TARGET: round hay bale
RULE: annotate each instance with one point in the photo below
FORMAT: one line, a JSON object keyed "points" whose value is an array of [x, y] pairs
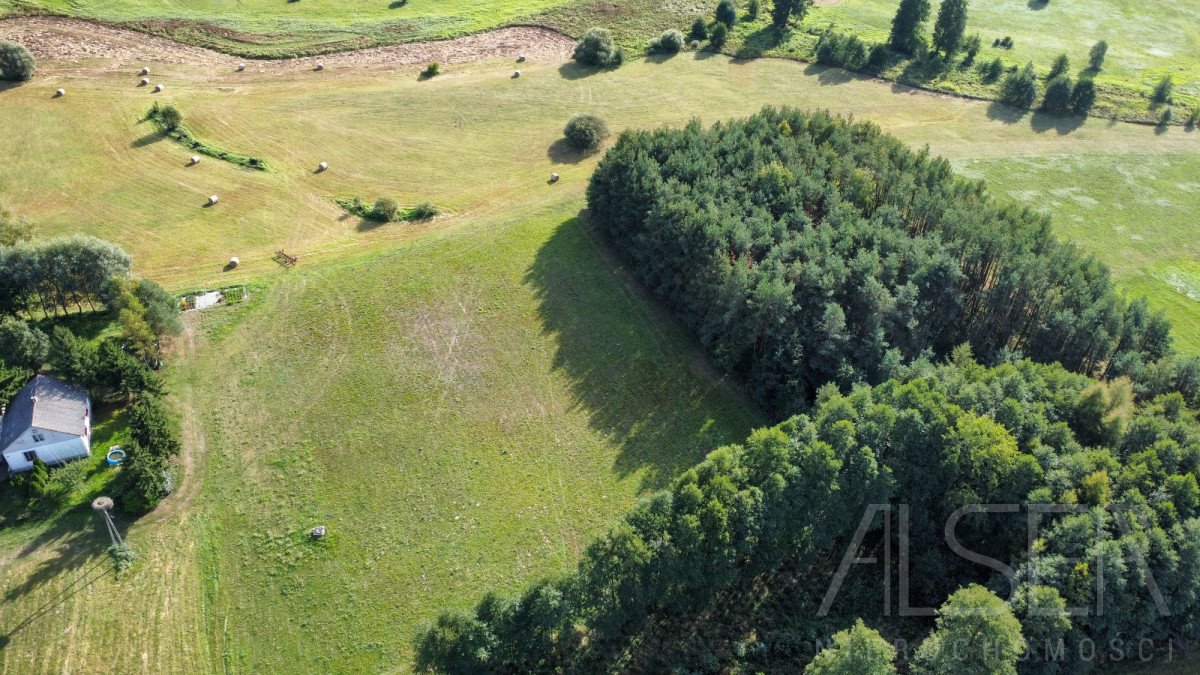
{"points": [[145, 81], [320, 65], [234, 262], [158, 88], [145, 71], [195, 159], [322, 166], [213, 200], [553, 178], [521, 58], [317, 532], [241, 67], [60, 92], [516, 74]]}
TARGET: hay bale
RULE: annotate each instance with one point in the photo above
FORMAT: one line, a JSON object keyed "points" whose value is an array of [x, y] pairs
{"points": [[158, 88], [322, 166], [145, 81], [317, 532], [516, 74], [60, 92], [320, 65], [553, 178], [234, 262], [521, 58], [195, 159], [145, 71], [241, 67], [213, 200]]}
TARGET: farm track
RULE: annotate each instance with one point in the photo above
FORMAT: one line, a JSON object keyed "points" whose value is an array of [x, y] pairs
{"points": [[63, 39]]}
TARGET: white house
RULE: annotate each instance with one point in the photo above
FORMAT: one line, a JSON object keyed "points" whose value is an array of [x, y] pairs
{"points": [[48, 420]]}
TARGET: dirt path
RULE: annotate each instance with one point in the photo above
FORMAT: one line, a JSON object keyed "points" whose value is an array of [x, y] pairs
{"points": [[61, 39], [190, 478]]}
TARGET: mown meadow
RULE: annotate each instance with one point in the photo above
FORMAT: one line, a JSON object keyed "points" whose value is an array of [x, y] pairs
{"points": [[425, 390]]}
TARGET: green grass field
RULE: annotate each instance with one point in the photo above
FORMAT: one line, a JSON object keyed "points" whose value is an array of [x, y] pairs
{"points": [[403, 374]]}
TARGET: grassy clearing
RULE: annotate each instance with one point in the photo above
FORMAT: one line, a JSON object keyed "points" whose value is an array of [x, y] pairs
{"points": [[470, 382], [403, 373]]}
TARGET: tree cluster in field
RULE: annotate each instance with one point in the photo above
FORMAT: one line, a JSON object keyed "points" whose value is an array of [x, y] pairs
{"points": [[16, 63], [937, 438], [805, 249], [598, 50], [169, 121], [386, 209], [62, 277]]}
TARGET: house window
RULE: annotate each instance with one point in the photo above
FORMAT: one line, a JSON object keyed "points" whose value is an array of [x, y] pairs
{"points": [[37, 436], [30, 455]]}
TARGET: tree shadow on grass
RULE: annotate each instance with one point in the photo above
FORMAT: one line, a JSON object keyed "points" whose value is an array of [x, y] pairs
{"points": [[828, 74], [643, 382], [76, 539], [573, 70], [1004, 113], [1042, 122], [148, 139], [562, 152]]}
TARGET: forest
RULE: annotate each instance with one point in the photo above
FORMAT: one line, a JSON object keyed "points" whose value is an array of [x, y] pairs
{"points": [[806, 249]]}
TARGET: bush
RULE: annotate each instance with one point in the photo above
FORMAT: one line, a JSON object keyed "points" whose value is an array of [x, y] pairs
{"points": [[597, 49], [1096, 56], [1168, 116], [670, 42], [1061, 65], [169, 117], [1193, 119], [586, 132], [1163, 90], [1020, 88], [385, 209], [1057, 100], [843, 51], [971, 46], [431, 70], [991, 70], [699, 30], [16, 63], [879, 57], [752, 9], [423, 211], [716, 40], [22, 345], [1083, 97], [727, 13]]}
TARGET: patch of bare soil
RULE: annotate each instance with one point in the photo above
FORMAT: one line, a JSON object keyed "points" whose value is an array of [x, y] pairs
{"points": [[61, 39]]}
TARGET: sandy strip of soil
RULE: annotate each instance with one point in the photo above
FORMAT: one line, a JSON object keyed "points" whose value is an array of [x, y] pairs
{"points": [[61, 39]]}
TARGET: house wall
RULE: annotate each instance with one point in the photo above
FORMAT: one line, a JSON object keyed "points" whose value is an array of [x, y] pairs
{"points": [[55, 449]]}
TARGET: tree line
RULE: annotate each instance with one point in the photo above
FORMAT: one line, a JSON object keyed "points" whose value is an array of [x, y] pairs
{"points": [[58, 276], [804, 248], [787, 501]]}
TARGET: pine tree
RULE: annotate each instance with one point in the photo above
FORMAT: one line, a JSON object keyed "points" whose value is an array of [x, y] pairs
{"points": [[908, 24], [950, 26]]}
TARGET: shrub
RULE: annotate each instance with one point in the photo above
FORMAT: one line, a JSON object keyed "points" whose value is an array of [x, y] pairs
{"points": [[1083, 97], [423, 211], [752, 9], [1163, 90], [699, 30], [168, 116], [431, 70], [22, 345], [1168, 116], [845, 51], [879, 56], [16, 63], [385, 209], [1193, 119], [1096, 56], [718, 37], [586, 132], [670, 42], [991, 70], [1020, 88], [971, 45], [1060, 66], [1057, 100], [597, 49], [727, 12]]}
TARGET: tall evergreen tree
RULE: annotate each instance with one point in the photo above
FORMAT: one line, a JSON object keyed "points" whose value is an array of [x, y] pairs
{"points": [[908, 24], [950, 26]]}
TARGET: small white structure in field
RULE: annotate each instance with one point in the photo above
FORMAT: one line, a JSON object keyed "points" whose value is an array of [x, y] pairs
{"points": [[320, 65], [521, 58], [195, 159], [213, 200], [317, 532], [145, 71], [206, 300], [553, 178], [61, 92], [48, 420], [158, 88], [516, 74], [145, 81], [241, 67]]}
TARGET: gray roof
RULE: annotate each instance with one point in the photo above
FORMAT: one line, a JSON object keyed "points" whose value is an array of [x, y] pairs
{"points": [[45, 403]]}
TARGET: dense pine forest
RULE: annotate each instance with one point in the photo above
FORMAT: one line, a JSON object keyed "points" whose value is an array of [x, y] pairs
{"points": [[944, 364]]}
